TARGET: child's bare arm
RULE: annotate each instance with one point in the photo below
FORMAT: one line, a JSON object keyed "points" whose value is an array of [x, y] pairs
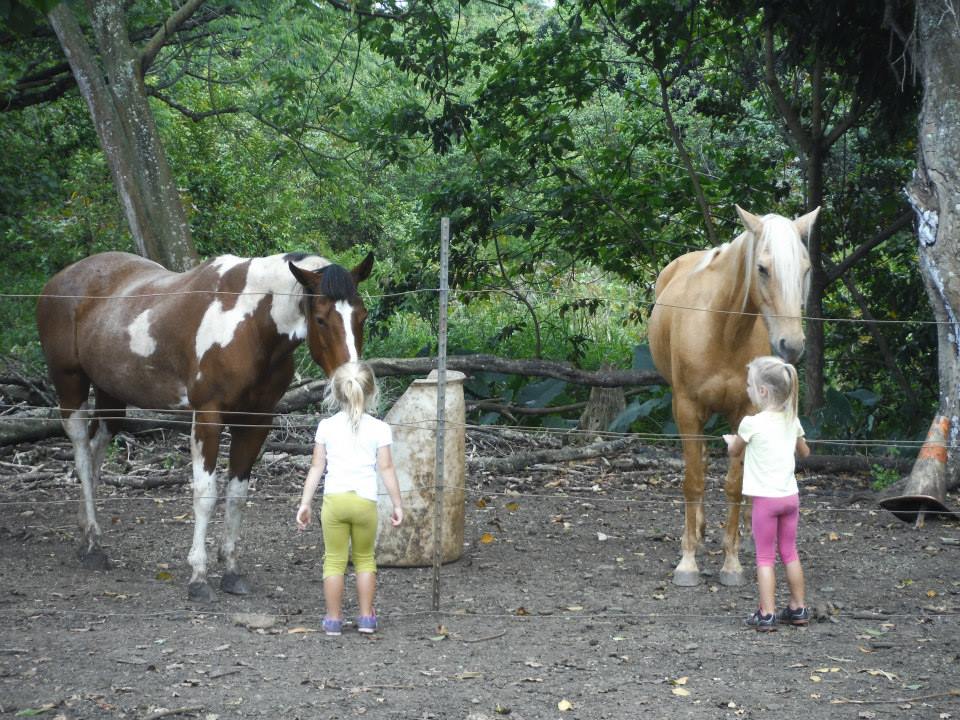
{"points": [[389, 475], [317, 466], [802, 448]]}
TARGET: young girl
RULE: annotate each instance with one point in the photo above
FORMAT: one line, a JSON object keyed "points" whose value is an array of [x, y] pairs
{"points": [[771, 439], [351, 445]]}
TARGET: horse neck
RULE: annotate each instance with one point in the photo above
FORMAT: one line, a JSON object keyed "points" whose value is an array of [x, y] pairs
{"points": [[733, 268], [271, 276]]}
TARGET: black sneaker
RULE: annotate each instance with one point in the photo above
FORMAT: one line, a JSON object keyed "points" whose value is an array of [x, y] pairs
{"points": [[761, 622], [793, 616]]}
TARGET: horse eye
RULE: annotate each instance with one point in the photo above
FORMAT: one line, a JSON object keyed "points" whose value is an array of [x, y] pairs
{"points": [[763, 270], [321, 321]]}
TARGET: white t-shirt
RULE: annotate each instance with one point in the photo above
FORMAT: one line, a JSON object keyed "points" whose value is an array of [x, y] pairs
{"points": [[352, 458], [769, 460]]}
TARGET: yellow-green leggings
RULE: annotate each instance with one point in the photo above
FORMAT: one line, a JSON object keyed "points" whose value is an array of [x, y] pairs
{"points": [[349, 522]]}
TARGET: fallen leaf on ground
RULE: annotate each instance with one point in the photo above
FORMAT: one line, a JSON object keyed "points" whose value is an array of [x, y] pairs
{"points": [[564, 705], [875, 672]]}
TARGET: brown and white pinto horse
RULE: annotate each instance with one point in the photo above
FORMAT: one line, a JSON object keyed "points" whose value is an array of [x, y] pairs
{"points": [[217, 340], [715, 311]]}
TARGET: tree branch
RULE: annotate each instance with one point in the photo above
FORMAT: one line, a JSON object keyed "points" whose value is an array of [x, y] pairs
{"points": [[902, 222], [168, 28], [685, 158], [345, 7], [786, 110], [187, 112]]}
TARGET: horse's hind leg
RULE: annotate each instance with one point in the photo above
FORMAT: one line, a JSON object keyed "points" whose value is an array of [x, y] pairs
{"points": [[89, 440], [245, 442]]}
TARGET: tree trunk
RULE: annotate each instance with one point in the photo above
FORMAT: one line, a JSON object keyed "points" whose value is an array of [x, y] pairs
{"points": [[935, 196], [814, 362], [116, 97]]}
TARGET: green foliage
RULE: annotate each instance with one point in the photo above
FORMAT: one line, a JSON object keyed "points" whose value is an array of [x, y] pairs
{"points": [[883, 477], [542, 132]]}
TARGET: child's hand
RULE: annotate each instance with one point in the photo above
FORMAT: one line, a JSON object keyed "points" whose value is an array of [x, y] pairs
{"points": [[735, 445], [397, 516], [304, 514]]}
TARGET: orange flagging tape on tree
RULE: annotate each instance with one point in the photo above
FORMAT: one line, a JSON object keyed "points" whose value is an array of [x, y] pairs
{"points": [[935, 446], [926, 490]]}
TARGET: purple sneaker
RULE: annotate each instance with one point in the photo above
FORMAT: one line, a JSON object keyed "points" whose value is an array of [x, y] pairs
{"points": [[332, 626], [367, 624]]}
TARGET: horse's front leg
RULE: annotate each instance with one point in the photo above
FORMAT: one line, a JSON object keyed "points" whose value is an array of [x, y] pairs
{"points": [[88, 453], [245, 443], [732, 571], [687, 574], [204, 446]]}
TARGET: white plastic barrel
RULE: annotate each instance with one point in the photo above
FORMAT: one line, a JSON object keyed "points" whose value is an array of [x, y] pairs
{"points": [[413, 419]]}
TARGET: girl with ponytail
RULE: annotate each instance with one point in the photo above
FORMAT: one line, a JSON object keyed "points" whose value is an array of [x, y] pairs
{"points": [[770, 441], [351, 446]]}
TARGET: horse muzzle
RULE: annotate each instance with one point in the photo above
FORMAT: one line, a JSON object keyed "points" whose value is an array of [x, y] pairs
{"points": [[788, 351]]}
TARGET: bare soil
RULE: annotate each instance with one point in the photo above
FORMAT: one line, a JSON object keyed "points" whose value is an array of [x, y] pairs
{"points": [[560, 607]]}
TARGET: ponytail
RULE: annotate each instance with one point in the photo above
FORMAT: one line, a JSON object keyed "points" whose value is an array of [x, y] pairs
{"points": [[353, 390], [792, 405]]}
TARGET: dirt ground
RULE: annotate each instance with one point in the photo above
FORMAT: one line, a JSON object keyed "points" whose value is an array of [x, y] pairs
{"points": [[560, 607]]}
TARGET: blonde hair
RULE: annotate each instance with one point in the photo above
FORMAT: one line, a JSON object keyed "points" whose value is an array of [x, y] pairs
{"points": [[780, 380], [352, 389]]}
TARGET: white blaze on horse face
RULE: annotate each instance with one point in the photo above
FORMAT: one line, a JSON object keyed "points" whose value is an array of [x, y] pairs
{"points": [[346, 314], [140, 341]]}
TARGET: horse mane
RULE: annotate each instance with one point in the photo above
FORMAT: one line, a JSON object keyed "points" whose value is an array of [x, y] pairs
{"points": [[337, 283], [779, 236]]}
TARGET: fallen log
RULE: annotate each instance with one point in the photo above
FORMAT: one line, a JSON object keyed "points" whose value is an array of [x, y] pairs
{"points": [[537, 368], [522, 460]]}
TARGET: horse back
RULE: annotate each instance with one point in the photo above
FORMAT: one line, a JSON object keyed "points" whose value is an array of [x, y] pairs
{"points": [[154, 338]]}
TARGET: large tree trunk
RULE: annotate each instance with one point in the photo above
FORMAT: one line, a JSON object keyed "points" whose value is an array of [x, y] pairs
{"points": [[935, 195], [116, 97]]}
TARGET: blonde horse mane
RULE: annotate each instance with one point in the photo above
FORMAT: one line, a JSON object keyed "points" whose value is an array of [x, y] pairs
{"points": [[779, 236]]}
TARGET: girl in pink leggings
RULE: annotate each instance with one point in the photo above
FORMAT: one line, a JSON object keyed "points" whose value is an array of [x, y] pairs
{"points": [[770, 441]]}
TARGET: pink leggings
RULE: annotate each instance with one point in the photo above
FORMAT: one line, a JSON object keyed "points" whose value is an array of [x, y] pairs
{"points": [[775, 525]]}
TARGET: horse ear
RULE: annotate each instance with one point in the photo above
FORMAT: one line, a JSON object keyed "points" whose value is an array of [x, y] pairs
{"points": [[362, 271], [805, 224], [308, 279], [750, 221]]}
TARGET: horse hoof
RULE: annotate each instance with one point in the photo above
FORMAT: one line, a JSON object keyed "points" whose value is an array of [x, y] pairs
{"points": [[732, 578], [201, 592], [95, 559], [686, 578], [234, 584]]}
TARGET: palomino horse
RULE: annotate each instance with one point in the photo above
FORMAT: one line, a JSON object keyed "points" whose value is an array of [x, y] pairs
{"points": [[217, 340], [715, 311]]}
